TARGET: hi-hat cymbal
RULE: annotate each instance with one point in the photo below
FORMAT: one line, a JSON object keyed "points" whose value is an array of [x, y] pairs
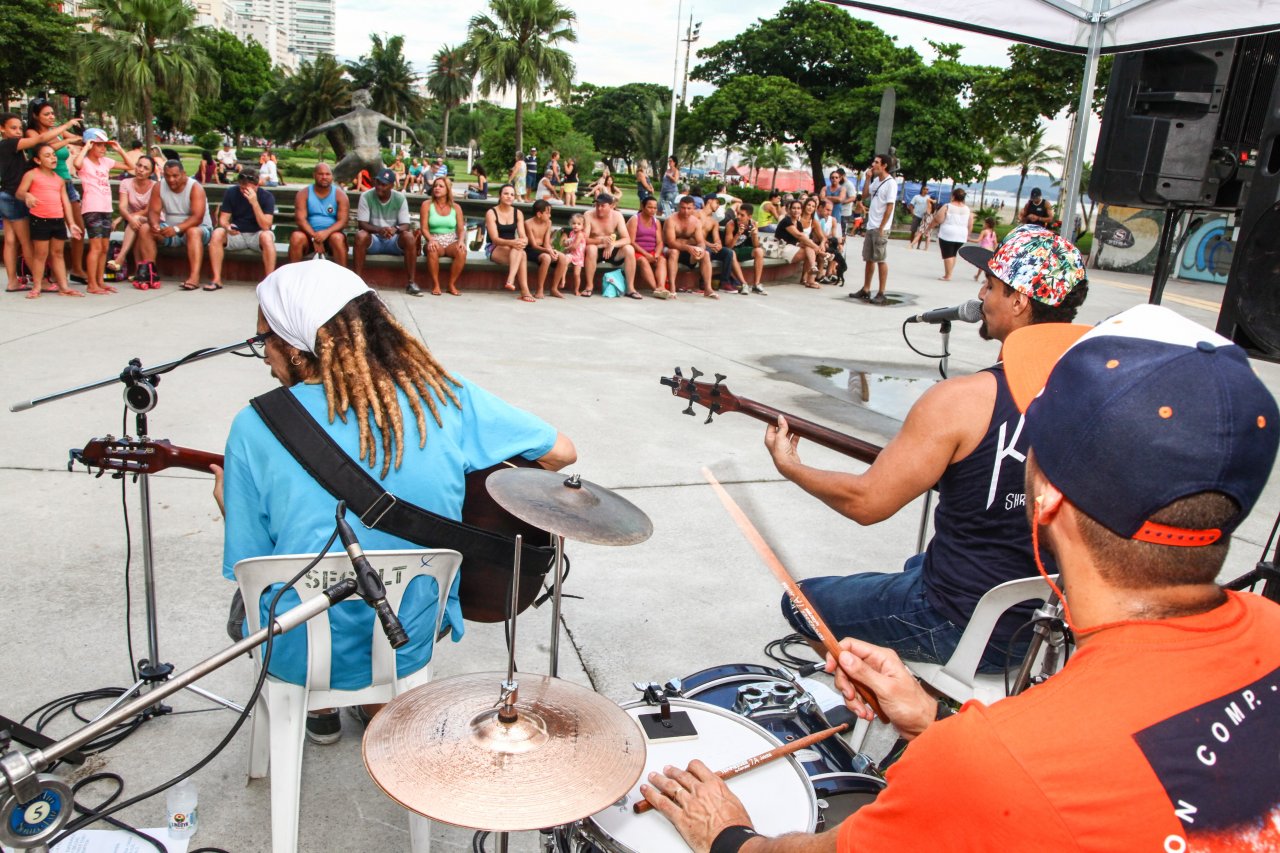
{"points": [[569, 506], [440, 750]]}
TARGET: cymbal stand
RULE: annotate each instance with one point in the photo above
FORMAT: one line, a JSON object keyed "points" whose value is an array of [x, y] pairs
{"points": [[1046, 629], [507, 714], [944, 329]]}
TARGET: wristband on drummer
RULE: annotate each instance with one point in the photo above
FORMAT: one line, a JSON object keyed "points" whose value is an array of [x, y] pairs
{"points": [[731, 839]]}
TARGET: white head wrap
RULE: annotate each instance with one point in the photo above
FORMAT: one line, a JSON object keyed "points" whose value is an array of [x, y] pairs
{"points": [[297, 299]]}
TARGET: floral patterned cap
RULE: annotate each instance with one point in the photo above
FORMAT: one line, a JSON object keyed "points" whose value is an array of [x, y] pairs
{"points": [[1032, 260]]}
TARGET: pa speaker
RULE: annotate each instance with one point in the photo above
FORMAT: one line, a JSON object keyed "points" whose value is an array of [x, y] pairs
{"points": [[1182, 125]]}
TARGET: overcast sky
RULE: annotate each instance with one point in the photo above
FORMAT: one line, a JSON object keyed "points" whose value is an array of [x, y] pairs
{"points": [[631, 42]]}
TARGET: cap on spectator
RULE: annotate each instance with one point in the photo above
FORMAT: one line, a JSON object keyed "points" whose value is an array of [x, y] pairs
{"points": [[604, 198], [1139, 411], [1035, 192], [95, 134], [386, 176], [249, 174], [1032, 260]]}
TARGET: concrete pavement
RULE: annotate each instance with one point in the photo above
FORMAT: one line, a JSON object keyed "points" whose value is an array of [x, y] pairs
{"points": [[693, 596]]}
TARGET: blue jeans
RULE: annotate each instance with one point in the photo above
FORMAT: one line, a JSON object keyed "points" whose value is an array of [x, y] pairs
{"points": [[888, 609], [12, 208]]}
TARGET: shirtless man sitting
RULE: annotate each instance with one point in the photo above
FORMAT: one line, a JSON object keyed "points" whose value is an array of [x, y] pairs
{"points": [[683, 234], [609, 242], [711, 216], [540, 252]]}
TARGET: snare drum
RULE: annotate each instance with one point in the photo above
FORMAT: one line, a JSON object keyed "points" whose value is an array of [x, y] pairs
{"points": [[843, 780], [777, 795]]}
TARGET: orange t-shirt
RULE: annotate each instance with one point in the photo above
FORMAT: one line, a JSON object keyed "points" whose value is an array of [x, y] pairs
{"points": [[1156, 737]]}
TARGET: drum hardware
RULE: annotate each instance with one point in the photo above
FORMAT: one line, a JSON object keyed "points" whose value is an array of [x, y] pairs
{"points": [[546, 753], [570, 508], [1047, 633], [140, 397], [35, 806]]}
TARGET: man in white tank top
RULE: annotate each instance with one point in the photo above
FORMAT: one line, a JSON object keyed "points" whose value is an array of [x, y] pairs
{"points": [[179, 216]]}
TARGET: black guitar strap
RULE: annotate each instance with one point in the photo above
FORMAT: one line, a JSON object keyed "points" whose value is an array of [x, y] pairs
{"points": [[346, 479]]}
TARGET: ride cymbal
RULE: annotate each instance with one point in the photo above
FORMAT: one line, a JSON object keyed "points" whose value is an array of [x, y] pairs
{"points": [[569, 506], [440, 750]]}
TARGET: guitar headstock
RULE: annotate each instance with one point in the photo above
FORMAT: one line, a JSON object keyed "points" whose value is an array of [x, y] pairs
{"points": [[716, 397], [125, 455]]}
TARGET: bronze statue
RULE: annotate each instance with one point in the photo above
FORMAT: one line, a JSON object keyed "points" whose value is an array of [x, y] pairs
{"points": [[362, 123]]}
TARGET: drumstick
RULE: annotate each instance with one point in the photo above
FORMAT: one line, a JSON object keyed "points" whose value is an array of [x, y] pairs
{"points": [[763, 758], [798, 599]]}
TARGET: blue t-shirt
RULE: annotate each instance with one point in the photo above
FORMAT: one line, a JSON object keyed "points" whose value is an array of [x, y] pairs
{"points": [[274, 507], [241, 212]]}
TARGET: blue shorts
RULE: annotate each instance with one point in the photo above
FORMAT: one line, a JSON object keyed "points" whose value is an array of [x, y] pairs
{"points": [[180, 239], [385, 246], [73, 194], [12, 209], [890, 609]]}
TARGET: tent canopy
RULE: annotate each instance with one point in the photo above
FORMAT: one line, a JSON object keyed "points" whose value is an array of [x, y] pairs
{"points": [[1067, 24]]}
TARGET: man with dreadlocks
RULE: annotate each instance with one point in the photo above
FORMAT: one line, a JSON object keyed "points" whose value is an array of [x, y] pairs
{"points": [[361, 375]]}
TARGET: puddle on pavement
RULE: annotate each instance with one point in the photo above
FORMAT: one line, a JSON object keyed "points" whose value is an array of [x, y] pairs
{"points": [[889, 390]]}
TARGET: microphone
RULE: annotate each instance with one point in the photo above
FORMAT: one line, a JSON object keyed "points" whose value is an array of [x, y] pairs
{"points": [[369, 583], [968, 312]]}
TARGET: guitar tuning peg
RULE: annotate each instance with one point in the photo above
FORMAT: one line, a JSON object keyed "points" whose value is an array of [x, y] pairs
{"points": [[689, 411], [712, 410], [715, 389], [694, 373], [678, 373]]}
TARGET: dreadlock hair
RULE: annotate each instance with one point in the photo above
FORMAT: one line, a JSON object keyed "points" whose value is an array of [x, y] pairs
{"points": [[362, 356]]}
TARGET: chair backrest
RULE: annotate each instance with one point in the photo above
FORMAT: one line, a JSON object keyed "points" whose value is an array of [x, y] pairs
{"points": [[397, 569], [963, 663]]}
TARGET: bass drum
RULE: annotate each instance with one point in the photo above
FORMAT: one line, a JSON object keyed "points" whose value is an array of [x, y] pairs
{"points": [[843, 780], [777, 795]]}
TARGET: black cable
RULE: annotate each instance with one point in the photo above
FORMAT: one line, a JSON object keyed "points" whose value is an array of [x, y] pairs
{"points": [[1055, 624], [128, 588], [82, 822], [912, 347], [477, 842], [779, 652]]}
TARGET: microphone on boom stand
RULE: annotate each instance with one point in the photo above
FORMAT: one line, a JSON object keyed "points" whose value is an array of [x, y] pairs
{"points": [[967, 312], [369, 583]]}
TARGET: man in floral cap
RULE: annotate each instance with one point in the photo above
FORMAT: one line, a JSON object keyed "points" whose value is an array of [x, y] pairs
{"points": [[965, 436]]}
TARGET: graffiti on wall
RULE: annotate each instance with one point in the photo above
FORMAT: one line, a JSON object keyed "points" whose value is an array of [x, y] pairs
{"points": [[1128, 239], [1207, 249]]}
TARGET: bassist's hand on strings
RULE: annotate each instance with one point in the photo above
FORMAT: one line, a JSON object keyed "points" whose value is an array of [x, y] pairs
{"points": [[781, 445], [906, 704]]}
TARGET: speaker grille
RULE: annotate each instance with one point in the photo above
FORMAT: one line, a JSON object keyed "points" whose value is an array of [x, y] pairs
{"points": [[1257, 268], [1254, 75]]}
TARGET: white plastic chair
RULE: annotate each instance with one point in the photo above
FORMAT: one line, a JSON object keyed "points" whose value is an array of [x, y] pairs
{"points": [[959, 678], [279, 719]]}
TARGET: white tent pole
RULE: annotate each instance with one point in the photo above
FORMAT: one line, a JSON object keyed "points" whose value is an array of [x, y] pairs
{"points": [[1071, 179], [675, 78]]}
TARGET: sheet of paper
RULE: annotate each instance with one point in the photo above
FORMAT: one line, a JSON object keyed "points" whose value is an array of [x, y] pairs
{"points": [[118, 841]]}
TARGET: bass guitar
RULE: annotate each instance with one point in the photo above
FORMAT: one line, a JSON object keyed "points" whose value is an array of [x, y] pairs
{"points": [[718, 399], [483, 588]]}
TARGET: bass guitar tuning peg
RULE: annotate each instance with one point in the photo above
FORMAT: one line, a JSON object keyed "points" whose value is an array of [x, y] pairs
{"points": [[715, 389], [712, 411], [694, 373], [689, 411], [678, 373]]}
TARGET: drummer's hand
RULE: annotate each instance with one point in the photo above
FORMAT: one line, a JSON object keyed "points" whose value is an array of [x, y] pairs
{"points": [[781, 445], [906, 704], [696, 801], [217, 488]]}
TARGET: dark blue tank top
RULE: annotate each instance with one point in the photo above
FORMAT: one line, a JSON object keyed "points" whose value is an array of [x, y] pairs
{"points": [[981, 535]]}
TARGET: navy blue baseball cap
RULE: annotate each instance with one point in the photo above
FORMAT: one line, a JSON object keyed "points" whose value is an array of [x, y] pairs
{"points": [[386, 176], [1139, 411]]}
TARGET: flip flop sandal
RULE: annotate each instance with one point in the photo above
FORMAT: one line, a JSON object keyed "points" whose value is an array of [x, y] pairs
{"points": [[634, 295], [211, 286], [190, 285]]}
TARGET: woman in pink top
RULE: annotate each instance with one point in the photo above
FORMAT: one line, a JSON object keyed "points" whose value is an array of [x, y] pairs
{"points": [[95, 168], [45, 194], [646, 236], [135, 198]]}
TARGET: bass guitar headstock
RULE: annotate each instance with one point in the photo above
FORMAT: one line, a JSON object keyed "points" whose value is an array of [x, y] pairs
{"points": [[716, 397]]}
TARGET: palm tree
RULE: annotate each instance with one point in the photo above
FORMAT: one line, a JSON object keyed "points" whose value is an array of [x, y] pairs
{"points": [[776, 156], [315, 93], [751, 155], [390, 79], [138, 48], [449, 82], [515, 48], [1028, 154]]}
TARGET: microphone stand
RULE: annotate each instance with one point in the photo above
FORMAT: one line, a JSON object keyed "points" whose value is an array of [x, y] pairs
{"points": [[34, 806], [140, 397], [944, 329]]}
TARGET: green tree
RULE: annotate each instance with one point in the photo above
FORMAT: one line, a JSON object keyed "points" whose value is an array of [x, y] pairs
{"points": [[142, 47], [449, 82], [1039, 83], [36, 44], [776, 156], [1027, 154], [748, 109], [245, 75], [651, 133], [819, 49], [752, 153], [476, 120], [390, 79], [315, 93], [547, 128], [515, 47], [611, 113]]}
